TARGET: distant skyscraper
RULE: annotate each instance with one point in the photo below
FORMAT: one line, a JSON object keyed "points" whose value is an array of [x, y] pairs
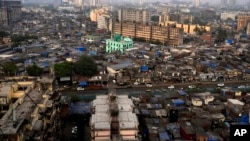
{"points": [[134, 15], [231, 2], [13, 8], [94, 2], [196, 3], [78, 2], [223, 2]]}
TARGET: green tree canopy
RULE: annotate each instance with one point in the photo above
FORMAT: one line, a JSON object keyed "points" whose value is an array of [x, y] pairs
{"points": [[155, 18], [63, 69], [198, 20], [186, 21], [34, 70], [3, 34], [200, 30], [221, 35], [85, 66], [20, 38], [9, 68]]}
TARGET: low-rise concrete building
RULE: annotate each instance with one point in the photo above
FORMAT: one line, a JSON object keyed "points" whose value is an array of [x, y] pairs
{"points": [[27, 110], [113, 115], [118, 44]]}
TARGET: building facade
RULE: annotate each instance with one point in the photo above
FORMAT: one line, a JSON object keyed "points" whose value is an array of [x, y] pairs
{"points": [[96, 12], [227, 15], [191, 28], [112, 116], [231, 3], [134, 15], [94, 2], [243, 21], [223, 3], [248, 29], [103, 21], [163, 9], [196, 3], [164, 34], [118, 44], [178, 17], [3, 17], [78, 2], [23, 116], [13, 8]]}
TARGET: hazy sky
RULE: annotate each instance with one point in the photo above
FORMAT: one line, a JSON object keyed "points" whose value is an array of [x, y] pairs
{"points": [[218, 1], [202, 1]]}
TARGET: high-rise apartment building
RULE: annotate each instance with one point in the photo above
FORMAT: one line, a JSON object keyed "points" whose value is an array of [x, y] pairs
{"points": [[196, 3], [178, 17], [96, 12], [243, 20], [227, 15], [94, 2], [223, 2], [3, 17], [103, 21], [134, 15], [165, 34], [72, 2], [231, 3], [248, 29], [78, 2], [13, 8]]}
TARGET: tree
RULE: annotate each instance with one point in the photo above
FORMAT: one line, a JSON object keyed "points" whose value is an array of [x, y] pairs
{"points": [[155, 18], [3, 34], [63, 69], [186, 21], [34, 70], [200, 30], [221, 35], [85, 66], [198, 21], [157, 42], [9, 68]]}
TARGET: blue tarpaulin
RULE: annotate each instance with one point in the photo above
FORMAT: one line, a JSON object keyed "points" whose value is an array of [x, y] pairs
{"points": [[164, 136], [80, 108], [81, 49], [92, 52], [229, 41], [45, 54], [181, 92], [79, 33], [83, 83], [28, 62], [212, 137], [144, 68], [143, 52], [177, 102], [45, 64], [245, 119], [156, 121], [210, 64], [158, 53], [145, 112]]}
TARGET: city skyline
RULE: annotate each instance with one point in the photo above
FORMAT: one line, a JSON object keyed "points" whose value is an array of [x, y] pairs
{"points": [[238, 2]]}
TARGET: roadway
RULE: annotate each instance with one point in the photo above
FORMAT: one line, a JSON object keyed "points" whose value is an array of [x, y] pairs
{"points": [[143, 88]]}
